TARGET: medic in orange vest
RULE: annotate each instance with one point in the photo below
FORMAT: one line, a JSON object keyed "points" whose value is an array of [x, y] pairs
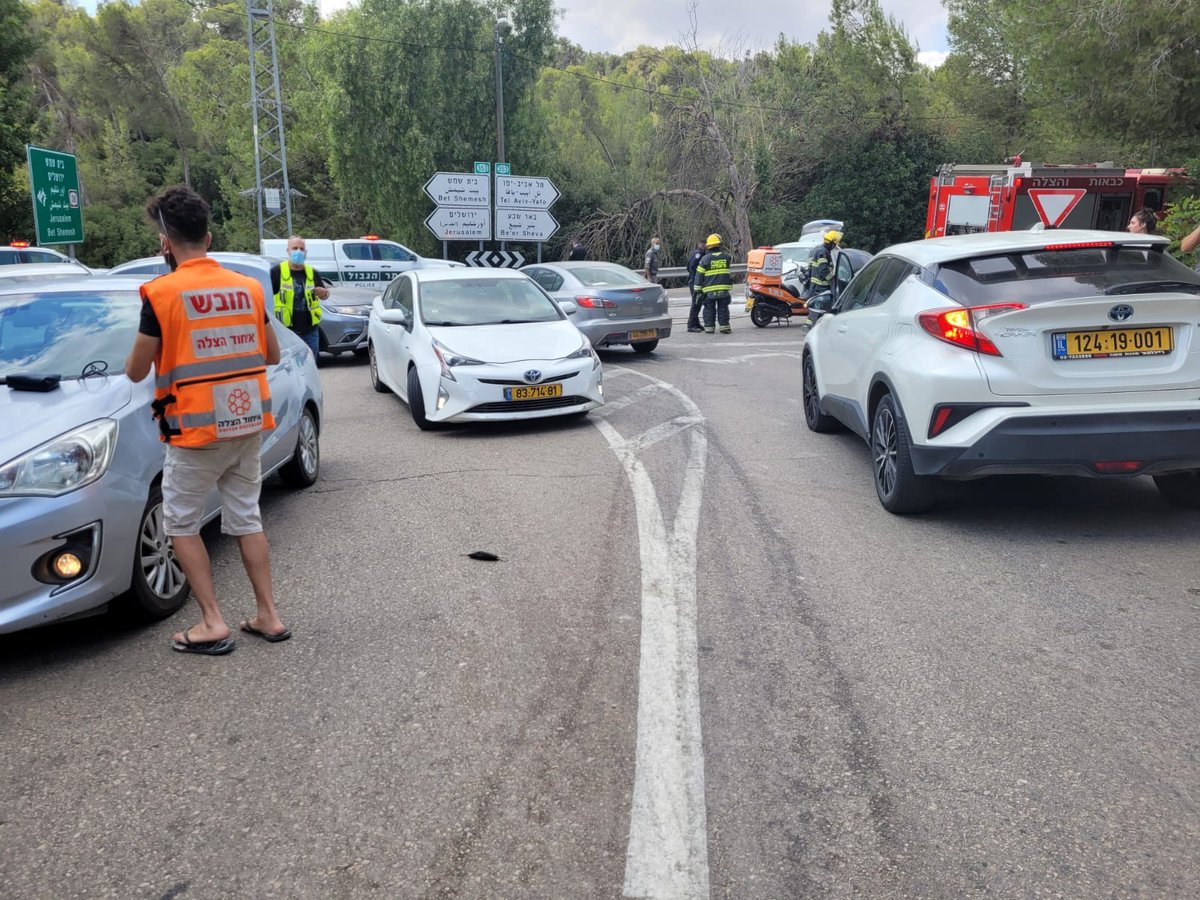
{"points": [[211, 376]]}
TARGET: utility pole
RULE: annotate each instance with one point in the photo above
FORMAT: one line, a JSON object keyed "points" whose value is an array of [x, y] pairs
{"points": [[499, 94], [272, 192]]}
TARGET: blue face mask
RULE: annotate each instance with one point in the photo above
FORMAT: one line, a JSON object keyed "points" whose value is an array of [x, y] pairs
{"points": [[297, 257]]}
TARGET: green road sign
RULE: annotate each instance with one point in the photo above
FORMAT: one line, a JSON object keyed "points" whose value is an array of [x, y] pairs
{"points": [[54, 184], [482, 168], [503, 169]]}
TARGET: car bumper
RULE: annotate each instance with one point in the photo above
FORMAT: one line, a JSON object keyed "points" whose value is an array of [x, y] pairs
{"points": [[103, 517], [480, 396], [340, 333], [613, 332], [1158, 442]]}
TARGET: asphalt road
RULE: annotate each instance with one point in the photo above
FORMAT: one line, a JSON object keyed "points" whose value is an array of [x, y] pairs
{"points": [[707, 664]]}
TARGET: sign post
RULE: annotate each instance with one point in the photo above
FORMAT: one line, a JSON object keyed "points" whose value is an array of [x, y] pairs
{"points": [[54, 186]]}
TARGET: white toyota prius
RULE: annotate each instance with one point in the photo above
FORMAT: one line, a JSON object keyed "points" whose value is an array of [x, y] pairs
{"points": [[478, 345], [1052, 353]]}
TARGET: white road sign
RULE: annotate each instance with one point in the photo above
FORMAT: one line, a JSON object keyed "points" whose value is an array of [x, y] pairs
{"points": [[460, 223], [521, 192], [531, 225], [460, 189], [496, 259]]}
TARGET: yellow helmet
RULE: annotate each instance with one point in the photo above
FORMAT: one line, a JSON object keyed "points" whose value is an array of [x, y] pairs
{"points": [[714, 240], [833, 236]]}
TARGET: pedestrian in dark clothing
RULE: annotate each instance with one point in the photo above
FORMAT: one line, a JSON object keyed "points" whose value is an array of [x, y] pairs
{"points": [[693, 324], [578, 251], [650, 268]]}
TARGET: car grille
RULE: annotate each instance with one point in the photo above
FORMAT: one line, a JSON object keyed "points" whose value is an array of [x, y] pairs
{"points": [[528, 405], [517, 382]]}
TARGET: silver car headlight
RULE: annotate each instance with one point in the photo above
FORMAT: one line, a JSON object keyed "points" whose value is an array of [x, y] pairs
{"points": [[66, 463], [585, 352], [448, 359]]}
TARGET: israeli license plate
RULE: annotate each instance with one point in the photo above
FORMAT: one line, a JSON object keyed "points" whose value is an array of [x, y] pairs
{"points": [[533, 392], [647, 335], [1113, 342]]}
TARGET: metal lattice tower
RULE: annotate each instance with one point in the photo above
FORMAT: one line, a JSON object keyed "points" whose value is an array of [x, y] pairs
{"points": [[272, 192]]}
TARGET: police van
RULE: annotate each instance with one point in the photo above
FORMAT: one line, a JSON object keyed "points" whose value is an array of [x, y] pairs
{"points": [[366, 262]]}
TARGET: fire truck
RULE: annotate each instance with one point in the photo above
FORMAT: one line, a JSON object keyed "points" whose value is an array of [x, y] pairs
{"points": [[1017, 196]]}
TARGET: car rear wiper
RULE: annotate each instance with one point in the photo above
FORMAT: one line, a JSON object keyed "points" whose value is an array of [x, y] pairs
{"points": [[1152, 287]]}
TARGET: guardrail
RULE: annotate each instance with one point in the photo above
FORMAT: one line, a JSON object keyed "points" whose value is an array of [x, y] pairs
{"points": [[681, 272]]}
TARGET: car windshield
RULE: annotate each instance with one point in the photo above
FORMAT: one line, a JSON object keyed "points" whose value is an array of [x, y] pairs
{"points": [[1044, 275], [599, 276], [485, 301], [796, 254], [64, 332]]}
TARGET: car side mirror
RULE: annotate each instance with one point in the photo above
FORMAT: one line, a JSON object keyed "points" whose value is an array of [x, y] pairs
{"points": [[570, 307], [394, 317], [821, 303]]}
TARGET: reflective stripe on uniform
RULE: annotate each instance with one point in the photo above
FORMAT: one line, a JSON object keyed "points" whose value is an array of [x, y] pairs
{"points": [[209, 367], [200, 420]]}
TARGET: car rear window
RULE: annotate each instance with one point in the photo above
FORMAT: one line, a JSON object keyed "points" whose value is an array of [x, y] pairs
{"points": [[1040, 276], [598, 276]]}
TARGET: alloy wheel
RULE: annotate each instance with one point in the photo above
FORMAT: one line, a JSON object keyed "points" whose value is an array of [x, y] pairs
{"points": [[160, 569], [884, 447]]}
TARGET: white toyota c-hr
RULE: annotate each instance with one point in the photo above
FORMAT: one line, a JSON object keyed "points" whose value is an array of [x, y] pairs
{"points": [[1053, 353]]}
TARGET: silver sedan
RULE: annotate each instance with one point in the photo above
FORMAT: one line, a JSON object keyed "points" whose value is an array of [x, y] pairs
{"points": [[80, 459], [616, 305]]}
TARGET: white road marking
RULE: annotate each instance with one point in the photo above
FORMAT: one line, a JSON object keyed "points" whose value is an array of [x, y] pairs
{"points": [[667, 855], [611, 406], [734, 360]]}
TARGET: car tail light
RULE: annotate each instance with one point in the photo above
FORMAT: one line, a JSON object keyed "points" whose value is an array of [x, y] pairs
{"points": [[959, 325], [1080, 245], [1118, 467], [596, 303]]}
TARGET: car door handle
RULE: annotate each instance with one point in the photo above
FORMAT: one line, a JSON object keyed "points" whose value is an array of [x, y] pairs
{"points": [[348, 266], [842, 329]]}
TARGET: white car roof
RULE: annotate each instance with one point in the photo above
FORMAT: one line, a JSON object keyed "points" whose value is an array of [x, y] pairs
{"points": [[446, 273], [82, 284], [218, 255], [934, 251], [27, 270]]}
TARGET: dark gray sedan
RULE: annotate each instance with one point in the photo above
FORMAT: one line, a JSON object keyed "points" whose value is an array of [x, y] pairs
{"points": [[616, 305]]}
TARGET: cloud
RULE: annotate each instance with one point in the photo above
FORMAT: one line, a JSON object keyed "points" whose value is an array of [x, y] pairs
{"points": [[617, 26], [932, 58]]}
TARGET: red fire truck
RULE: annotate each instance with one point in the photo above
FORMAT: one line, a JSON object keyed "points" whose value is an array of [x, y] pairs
{"points": [[1019, 195]]}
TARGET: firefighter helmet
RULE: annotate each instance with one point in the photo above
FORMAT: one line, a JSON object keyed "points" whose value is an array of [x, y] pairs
{"points": [[833, 236], [714, 240]]}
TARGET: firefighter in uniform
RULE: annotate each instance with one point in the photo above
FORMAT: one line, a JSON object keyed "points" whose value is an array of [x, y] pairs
{"points": [[299, 290], [714, 279], [207, 333], [820, 263]]}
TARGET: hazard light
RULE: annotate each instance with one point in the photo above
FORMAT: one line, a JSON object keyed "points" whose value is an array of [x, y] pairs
{"points": [[19, 244], [370, 237], [1080, 245]]}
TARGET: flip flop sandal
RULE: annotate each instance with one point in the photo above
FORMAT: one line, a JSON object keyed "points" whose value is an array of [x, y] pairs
{"points": [[273, 638], [204, 648]]}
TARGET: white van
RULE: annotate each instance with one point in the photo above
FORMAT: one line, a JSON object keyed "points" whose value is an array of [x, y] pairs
{"points": [[363, 262]]}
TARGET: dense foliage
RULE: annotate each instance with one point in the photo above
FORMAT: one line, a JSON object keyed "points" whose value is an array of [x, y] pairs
{"points": [[675, 140]]}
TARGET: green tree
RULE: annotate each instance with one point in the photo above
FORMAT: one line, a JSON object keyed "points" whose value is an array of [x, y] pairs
{"points": [[16, 47]]}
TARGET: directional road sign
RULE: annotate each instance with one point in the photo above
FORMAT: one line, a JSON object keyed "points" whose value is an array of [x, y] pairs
{"points": [[451, 223], [460, 189], [496, 259], [528, 225], [54, 184], [520, 192]]}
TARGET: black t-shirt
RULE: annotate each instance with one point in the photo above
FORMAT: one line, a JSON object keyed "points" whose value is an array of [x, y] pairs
{"points": [[578, 252], [301, 317]]}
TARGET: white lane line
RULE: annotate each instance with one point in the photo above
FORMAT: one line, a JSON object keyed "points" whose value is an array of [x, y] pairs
{"points": [[734, 360], [611, 406], [667, 855], [652, 436]]}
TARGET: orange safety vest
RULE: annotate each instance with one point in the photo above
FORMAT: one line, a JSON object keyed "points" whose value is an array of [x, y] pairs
{"points": [[211, 376]]}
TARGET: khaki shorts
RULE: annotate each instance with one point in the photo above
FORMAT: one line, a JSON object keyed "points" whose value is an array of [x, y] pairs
{"points": [[190, 474]]}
